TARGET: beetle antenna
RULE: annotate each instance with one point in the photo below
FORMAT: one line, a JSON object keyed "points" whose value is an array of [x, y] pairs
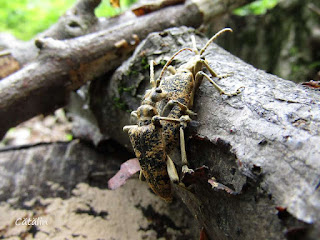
{"points": [[152, 81], [194, 45], [171, 59], [213, 38]]}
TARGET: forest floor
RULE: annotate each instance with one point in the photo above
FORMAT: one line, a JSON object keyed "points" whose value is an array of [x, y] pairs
{"points": [[130, 212], [50, 128]]}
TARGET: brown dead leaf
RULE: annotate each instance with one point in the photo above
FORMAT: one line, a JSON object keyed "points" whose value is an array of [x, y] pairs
{"points": [[312, 84], [198, 175], [219, 186], [8, 64], [145, 7], [115, 3], [203, 234]]}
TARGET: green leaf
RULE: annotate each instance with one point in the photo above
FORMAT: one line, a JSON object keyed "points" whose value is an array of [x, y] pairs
{"points": [[68, 137], [258, 7]]}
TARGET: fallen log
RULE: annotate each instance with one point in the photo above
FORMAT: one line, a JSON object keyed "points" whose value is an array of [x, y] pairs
{"points": [[262, 144]]}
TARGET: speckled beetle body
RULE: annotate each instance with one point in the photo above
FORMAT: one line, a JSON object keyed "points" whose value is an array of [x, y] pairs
{"points": [[162, 117], [180, 89], [148, 144]]}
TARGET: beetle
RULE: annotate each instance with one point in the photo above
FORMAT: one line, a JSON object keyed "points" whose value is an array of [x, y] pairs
{"points": [[164, 114], [147, 141], [180, 89]]}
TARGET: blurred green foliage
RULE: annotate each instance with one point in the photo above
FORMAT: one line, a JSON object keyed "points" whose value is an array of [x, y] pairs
{"points": [[26, 18], [256, 8]]}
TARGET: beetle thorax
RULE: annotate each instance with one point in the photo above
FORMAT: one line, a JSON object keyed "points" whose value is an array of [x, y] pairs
{"points": [[194, 65], [145, 113]]}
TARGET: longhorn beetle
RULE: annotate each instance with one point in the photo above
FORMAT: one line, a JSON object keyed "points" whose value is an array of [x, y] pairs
{"points": [[180, 90], [148, 143], [155, 135]]}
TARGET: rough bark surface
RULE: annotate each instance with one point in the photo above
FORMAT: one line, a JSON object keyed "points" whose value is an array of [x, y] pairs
{"points": [[261, 143], [44, 84]]}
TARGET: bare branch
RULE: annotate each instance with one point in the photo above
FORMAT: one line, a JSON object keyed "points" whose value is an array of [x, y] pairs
{"points": [[62, 66]]}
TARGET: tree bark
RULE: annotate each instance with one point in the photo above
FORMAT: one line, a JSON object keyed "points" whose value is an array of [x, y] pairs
{"points": [[261, 143], [62, 66]]}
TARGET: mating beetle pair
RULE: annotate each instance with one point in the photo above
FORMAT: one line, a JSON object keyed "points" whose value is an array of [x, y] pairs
{"points": [[164, 114]]}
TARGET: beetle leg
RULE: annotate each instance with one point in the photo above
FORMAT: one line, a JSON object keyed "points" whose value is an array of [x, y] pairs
{"points": [[156, 119], [172, 171], [141, 176], [183, 107], [199, 77], [183, 120], [213, 73], [201, 74], [128, 127], [185, 168]]}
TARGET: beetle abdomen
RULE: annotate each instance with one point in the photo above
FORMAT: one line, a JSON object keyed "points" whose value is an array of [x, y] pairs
{"points": [[148, 144]]}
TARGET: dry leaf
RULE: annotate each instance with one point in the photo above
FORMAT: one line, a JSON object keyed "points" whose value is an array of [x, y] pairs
{"points": [[115, 3], [198, 175], [218, 186], [146, 7], [312, 84], [8, 64]]}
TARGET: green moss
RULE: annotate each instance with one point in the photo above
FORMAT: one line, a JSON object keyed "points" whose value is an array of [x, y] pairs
{"points": [[145, 63], [118, 103], [314, 65], [132, 73], [293, 51], [122, 89], [128, 89], [163, 62]]}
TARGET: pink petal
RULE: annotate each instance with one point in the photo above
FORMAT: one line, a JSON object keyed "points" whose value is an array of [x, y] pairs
{"points": [[127, 169]]}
